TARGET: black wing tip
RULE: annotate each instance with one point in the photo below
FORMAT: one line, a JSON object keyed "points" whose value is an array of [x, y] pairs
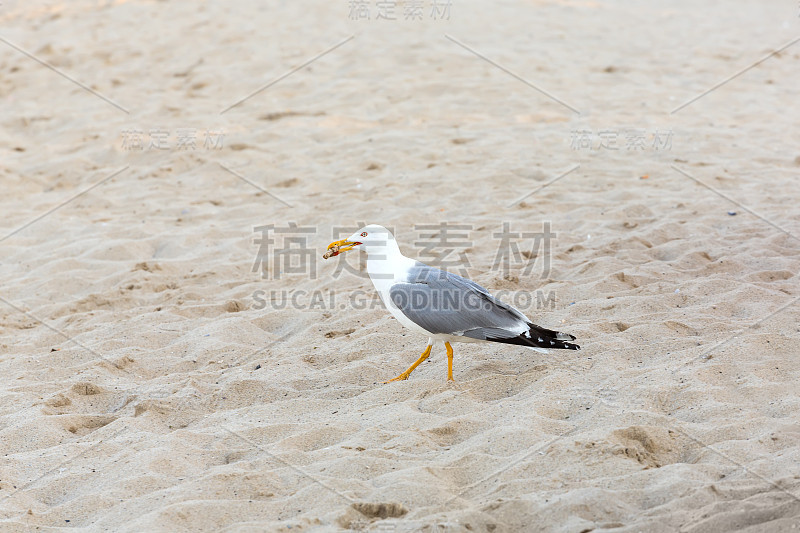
{"points": [[560, 344], [535, 342], [547, 338]]}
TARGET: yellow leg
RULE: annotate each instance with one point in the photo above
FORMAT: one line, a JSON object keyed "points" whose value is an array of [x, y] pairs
{"points": [[408, 372], [449, 361]]}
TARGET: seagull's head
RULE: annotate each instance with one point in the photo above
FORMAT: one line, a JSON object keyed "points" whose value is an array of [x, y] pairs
{"points": [[373, 239]]}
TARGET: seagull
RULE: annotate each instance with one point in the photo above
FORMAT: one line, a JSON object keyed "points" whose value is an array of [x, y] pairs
{"points": [[444, 307]]}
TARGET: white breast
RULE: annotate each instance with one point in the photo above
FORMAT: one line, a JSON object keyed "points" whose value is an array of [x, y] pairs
{"points": [[386, 272]]}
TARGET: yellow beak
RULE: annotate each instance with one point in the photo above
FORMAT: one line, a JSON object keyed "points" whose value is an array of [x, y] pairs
{"points": [[337, 247]]}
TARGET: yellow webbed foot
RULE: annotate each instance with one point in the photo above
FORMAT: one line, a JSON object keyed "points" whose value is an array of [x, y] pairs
{"points": [[407, 373], [401, 377]]}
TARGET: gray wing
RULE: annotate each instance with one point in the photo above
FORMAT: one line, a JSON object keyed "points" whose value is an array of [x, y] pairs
{"points": [[441, 302]]}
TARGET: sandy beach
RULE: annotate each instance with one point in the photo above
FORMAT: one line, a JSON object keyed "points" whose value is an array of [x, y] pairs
{"points": [[177, 356]]}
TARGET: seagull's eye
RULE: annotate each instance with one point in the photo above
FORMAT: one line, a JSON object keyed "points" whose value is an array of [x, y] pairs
{"points": [[364, 234]]}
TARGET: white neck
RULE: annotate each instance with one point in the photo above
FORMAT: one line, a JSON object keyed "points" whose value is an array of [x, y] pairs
{"points": [[386, 264]]}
